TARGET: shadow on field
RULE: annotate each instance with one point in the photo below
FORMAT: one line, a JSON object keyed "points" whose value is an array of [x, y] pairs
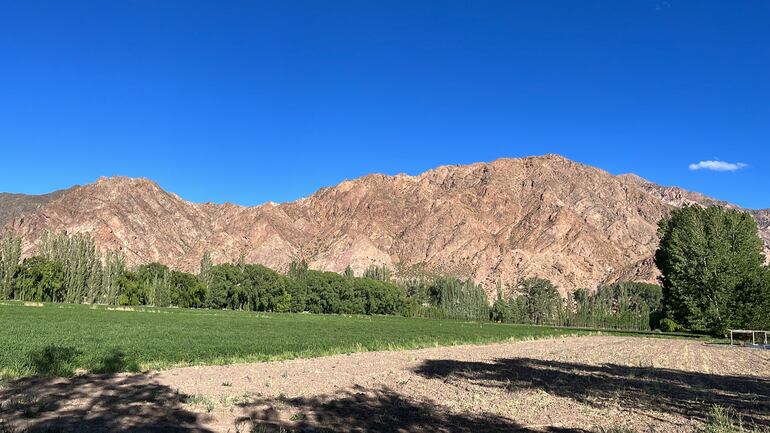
{"points": [[375, 411], [638, 388], [114, 362], [95, 403], [53, 361]]}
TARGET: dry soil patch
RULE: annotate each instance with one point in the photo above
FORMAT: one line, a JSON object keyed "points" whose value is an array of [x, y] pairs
{"points": [[561, 385]]}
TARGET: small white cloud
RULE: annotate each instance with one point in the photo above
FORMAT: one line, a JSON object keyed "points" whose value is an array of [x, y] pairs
{"points": [[718, 166]]}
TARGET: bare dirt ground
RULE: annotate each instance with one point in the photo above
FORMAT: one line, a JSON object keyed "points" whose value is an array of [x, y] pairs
{"points": [[581, 384]]}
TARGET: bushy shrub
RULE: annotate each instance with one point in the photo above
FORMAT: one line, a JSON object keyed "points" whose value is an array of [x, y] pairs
{"points": [[668, 325]]}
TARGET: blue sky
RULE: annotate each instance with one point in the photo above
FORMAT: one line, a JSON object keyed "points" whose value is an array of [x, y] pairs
{"points": [[254, 101]]}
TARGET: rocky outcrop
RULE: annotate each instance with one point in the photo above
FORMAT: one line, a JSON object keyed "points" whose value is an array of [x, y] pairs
{"points": [[541, 216], [14, 205]]}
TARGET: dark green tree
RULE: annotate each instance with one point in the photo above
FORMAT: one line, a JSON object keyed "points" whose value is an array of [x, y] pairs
{"points": [[708, 258], [540, 298], [40, 279], [187, 291]]}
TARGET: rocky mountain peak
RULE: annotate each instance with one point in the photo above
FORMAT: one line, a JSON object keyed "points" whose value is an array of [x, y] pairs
{"points": [[542, 216]]}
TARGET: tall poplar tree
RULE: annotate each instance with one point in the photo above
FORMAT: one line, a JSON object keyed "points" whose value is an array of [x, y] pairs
{"points": [[10, 254]]}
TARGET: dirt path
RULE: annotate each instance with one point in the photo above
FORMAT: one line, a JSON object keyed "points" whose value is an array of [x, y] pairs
{"points": [[563, 385]]}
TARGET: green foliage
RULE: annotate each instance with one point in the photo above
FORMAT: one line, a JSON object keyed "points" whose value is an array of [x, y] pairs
{"points": [[623, 305], [297, 269], [710, 259], [155, 280], [10, 255], [114, 267], [41, 280], [538, 300], [456, 299], [375, 272], [205, 271], [131, 289], [80, 262], [668, 325], [187, 291], [723, 420], [501, 310]]}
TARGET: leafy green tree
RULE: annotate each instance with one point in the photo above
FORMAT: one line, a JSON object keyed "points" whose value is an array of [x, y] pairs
{"points": [[459, 299], [225, 289], [40, 279], [205, 271], [132, 289], [540, 298], [187, 290], [114, 267], [81, 262], [297, 269], [708, 258], [10, 254], [378, 297], [156, 283], [751, 303], [375, 272], [501, 309]]}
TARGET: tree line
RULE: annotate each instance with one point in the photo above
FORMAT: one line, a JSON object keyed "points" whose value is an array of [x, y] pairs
{"points": [[625, 305], [713, 277], [69, 268]]}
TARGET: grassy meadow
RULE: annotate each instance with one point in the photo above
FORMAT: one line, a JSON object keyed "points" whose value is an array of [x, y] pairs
{"points": [[61, 339]]}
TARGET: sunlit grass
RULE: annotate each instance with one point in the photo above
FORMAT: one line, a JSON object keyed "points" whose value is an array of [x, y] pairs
{"points": [[62, 339]]}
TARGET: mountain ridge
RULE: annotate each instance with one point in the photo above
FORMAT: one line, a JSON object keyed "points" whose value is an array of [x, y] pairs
{"points": [[544, 216]]}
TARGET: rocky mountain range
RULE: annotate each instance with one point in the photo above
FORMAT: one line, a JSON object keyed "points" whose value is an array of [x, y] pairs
{"points": [[541, 216]]}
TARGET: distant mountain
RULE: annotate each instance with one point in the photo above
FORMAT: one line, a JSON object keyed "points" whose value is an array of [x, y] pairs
{"points": [[675, 196], [13, 205], [540, 216]]}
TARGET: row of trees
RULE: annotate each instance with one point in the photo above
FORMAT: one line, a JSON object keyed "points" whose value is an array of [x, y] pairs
{"points": [[711, 260], [632, 306], [448, 298], [70, 269]]}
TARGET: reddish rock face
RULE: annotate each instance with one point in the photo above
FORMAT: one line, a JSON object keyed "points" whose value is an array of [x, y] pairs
{"points": [[542, 216]]}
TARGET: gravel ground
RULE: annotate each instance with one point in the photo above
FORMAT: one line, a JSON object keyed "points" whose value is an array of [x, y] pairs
{"points": [[575, 384]]}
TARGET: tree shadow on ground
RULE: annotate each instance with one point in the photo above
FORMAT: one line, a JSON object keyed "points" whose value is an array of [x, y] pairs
{"points": [[53, 361], [114, 361], [375, 411], [95, 403], [689, 394]]}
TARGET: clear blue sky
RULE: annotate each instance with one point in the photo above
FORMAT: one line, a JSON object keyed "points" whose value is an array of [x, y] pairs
{"points": [[254, 101]]}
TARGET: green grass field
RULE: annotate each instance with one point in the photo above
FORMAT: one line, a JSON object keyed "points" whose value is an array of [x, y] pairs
{"points": [[58, 339]]}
